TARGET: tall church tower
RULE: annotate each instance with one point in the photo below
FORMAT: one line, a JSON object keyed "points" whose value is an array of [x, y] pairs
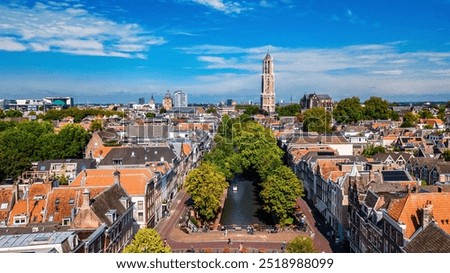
{"points": [[268, 86]]}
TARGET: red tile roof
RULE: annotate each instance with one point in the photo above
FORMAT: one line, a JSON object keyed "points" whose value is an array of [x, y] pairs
{"points": [[132, 180], [408, 210]]}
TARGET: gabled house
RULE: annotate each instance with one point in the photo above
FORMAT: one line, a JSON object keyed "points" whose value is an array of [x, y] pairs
{"points": [[139, 185], [406, 216], [109, 219], [29, 210], [393, 160], [440, 173]]}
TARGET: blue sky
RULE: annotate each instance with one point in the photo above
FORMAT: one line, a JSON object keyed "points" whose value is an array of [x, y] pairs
{"points": [[118, 50]]}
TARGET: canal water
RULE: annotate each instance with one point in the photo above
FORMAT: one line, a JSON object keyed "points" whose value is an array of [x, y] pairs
{"points": [[242, 206]]}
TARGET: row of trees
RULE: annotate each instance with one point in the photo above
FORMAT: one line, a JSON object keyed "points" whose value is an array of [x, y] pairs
{"points": [[78, 114], [350, 110], [24, 142], [242, 145]]}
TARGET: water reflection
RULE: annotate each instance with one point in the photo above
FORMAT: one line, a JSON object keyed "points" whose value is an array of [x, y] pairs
{"points": [[242, 206]]}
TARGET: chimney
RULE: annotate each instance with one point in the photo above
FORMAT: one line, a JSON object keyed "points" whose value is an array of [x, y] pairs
{"points": [[86, 199], [116, 177], [427, 214]]}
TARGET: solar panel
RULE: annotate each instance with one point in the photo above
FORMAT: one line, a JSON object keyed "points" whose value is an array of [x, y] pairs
{"points": [[393, 176]]}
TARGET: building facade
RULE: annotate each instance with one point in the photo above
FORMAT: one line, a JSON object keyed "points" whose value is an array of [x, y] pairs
{"points": [[167, 101], [316, 100], [180, 99], [268, 86]]}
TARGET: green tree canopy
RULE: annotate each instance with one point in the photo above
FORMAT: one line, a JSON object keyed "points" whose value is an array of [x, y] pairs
{"points": [[317, 120], [13, 114], [425, 113], [409, 120], [348, 111], [206, 185], [370, 150], [446, 155], [378, 108], [23, 142], [280, 192], [301, 244], [150, 115], [288, 110], [147, 240]]}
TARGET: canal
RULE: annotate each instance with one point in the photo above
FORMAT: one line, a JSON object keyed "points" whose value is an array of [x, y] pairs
{"points": [[242, 206]]}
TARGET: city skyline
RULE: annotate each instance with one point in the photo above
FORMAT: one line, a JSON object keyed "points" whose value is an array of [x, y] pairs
{"points": [[118, 51]]}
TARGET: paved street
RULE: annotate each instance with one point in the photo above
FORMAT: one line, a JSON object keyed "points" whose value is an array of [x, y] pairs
{"points": [[217, 241]]}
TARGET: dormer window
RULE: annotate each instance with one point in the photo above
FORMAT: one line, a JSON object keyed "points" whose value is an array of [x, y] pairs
{"points": [[111, 215], [117, 161], [4, 206]]}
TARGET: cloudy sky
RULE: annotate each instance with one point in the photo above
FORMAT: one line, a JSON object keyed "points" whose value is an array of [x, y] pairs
{"points": [[120, 50]]}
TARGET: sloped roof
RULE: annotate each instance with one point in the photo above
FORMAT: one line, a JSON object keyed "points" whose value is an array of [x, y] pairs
{"points": [[408, 210], [138, 155], [107, 200], [432, 239], [132, 180]]}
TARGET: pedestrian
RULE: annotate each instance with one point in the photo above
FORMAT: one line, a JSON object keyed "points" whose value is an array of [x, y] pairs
{"points": [[226, 232], [229, 241], [283, 246], [241, 247]]}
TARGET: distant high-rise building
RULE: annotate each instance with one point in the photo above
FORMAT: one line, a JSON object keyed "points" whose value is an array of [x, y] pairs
{"points": [[180, 99], [167, 101], [268, 86], [141, 100]]}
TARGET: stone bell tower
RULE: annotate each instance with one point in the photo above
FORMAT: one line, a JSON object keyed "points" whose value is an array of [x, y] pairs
{"points": [[268, 85]]}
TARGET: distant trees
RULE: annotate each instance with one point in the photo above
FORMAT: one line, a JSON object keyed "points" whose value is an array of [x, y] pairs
{"points": [[77, 114], [377, 108], [317, 120], [409, 120], [301, 244], [288, 110], [147, 240], [150, 115], [370, 150], [23, 142], [348, 110]]}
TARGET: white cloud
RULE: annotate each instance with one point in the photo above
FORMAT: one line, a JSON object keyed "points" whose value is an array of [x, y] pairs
{"points": [[361, 70], [11, 44], [227, 7], [71, 28]]}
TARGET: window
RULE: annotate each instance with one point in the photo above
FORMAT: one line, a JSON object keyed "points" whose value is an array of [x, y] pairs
{"points": [[71, 201], [66, 221], [140, 216], [20, 220], [140, 205], [4, 206]]}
